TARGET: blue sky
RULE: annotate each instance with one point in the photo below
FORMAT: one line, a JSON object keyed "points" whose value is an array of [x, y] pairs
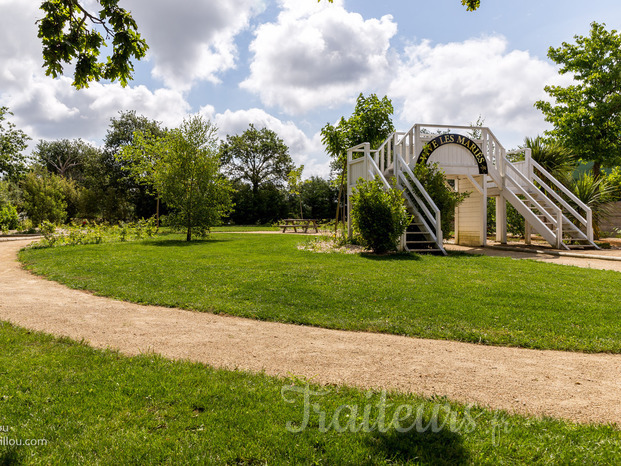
{"points": [[294, 65]]}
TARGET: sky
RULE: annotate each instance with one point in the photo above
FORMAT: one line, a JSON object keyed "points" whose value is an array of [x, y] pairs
{"points": [[295, 65]]}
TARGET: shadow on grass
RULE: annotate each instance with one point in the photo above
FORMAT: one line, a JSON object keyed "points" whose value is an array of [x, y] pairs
{"points": [[9, 457], [405, 256], [184, 243], [443, 447]]}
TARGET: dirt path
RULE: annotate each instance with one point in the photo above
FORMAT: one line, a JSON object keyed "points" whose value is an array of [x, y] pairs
{"points": [[581, 387]]}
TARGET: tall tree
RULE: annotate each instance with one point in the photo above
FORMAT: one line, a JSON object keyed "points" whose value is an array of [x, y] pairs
{"points": [[187, 174], [13, 142], [371, 122], [71, 33], [587, 114], [119, 177], [65, 157], [256, 157]]}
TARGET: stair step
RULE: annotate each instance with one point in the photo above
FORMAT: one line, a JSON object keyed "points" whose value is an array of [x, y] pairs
{"points": [[424, 250], [420, 242]]}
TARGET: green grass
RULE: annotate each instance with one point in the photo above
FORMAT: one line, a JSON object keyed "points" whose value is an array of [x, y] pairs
{"points": [[497, 301], [242, 228], [99, 407]]}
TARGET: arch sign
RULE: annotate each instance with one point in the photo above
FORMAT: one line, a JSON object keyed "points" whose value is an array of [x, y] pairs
{"points": [[463, 141]]}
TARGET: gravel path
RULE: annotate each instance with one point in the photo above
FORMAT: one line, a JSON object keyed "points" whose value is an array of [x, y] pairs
{"points": [[581, 387]]}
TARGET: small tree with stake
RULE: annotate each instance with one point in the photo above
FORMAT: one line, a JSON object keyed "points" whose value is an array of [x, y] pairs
{"points": [[186, 173]]}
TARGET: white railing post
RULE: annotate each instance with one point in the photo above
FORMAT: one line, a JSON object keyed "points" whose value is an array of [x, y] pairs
{"points": [[417, 146], [559, 229], [589, 214], [439, 238]]}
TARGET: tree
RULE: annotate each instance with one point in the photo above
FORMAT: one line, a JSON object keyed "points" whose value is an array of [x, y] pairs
{"points": [[260, 160], [295, 183], [256, 157], [119, 174], [44, 197], [318, 198], [12, 143], [69, 32], [371, 122], [587, 115], [187, 176], [65, 157]]}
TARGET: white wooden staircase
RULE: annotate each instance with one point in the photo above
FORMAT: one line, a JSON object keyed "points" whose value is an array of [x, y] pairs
{"points": [[549, 208]]}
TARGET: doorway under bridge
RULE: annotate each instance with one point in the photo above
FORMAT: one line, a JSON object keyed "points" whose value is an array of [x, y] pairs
{"points": [[480, 165]]}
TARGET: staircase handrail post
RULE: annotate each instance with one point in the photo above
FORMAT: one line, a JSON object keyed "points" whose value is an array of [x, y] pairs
{"points": [[417, 146], [589, 213], [559, 228]]}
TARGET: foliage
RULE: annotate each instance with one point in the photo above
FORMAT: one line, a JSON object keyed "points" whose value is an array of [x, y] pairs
{"points": [[93, 233], [477, 299], [445, 198], [318, 198], [515, 222], [9, 220], [267, 205], [295, 183], [71, 35], [595, 193], [12, 143], [44, 197], [371, 122], [551, 155], [187, 176], [614, 181], [587, 114], [64, 157], [378, 215], [256, 157]]}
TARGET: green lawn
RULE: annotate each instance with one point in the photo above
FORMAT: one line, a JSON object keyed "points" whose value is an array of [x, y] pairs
{"points": [[99, 407], [489, 300]]}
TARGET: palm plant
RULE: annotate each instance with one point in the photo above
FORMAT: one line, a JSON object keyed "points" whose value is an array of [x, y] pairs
{"points": [[596, 193], [551, 155]]}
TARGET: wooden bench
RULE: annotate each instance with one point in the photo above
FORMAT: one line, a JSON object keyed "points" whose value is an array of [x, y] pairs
{"points": [[299, 223]]}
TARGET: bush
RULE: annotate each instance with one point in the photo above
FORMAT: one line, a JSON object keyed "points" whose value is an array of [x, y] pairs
{"points": [[446, 199], [44, 197], [378, 215], [9, 220]]}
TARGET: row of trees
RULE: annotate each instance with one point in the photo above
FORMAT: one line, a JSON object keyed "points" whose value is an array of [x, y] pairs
{"points": [[144, 169]]}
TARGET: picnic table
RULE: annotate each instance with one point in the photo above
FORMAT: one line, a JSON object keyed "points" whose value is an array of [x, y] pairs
{"points": [[299, 223]]}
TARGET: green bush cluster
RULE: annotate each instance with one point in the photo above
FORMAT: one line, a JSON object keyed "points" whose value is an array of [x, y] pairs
{"points": [[378, 215], [93, 233], [9, 220]]}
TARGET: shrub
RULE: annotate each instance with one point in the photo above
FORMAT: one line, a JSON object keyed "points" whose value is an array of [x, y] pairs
{"points": [[378, 215], [44, 197], [9, 220]]}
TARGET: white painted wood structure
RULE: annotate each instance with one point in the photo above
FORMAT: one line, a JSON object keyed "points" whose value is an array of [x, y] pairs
{"points": [[478, 165]]}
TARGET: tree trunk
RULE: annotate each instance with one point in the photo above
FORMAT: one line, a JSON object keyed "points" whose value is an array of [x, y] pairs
{"points": [[157, 213], [597, 170]]}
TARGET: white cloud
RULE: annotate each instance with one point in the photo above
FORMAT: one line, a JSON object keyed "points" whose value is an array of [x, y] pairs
{"points": [[454, 83], [192, 40], [318, 54]]}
